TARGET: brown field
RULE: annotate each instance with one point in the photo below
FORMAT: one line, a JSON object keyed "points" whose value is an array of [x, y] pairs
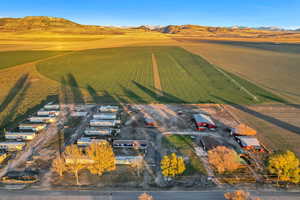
{"points": [[272, 66]]}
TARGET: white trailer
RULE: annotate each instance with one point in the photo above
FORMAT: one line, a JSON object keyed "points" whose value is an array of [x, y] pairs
{"points": [[12, 146], [128, 160], [42, 119], [135, 144], [104, 123], [48, 112], [78, 114], [33, 127], [85, 141], [109, 108], [51, 106], [23, 136], [107, 116], [97, 131]]}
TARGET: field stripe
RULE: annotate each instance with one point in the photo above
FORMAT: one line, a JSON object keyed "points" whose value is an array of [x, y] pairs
{"points": [[156, 77]]}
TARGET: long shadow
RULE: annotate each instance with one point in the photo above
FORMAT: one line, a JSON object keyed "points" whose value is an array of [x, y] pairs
{"points": [[272, 120], [17, 87], [105, 98], [65, 96], [75, 89], [166, 98], [133, 96]]}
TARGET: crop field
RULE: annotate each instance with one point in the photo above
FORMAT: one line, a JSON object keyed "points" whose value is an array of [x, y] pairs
{"points": [[273, 66], [126, 74], [12, 58]]}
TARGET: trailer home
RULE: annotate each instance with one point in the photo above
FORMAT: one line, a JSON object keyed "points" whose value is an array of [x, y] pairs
{"points": [[42, 119], [104, 123], [109, 108], [105, 116], [47, 113], [33, 127], [20, 136], [128, 160], [203, 122], [135, 144], [78, 114], [98, 131], [51, 106], [86, 141], [12, 146]]}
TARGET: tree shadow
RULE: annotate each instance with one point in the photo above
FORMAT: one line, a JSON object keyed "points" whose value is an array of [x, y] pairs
{"points": [[106, 97], [166, 98], [75, 89], [17, 87], [133, 96], [272, 120]]}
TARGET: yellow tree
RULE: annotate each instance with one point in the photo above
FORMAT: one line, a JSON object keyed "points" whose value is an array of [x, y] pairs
{"points": [[145, 196], [223, 159], [239, 195], [172, 165], [285, 166], [75, 157], [59, 165], [103, 156]]}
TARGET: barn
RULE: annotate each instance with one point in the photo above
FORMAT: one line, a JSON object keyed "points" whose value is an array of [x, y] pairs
{"points": [[203, 122]]}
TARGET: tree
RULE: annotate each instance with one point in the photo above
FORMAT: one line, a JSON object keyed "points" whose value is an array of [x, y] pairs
{"points": [[139, 165], [223, 159], [285, 166], [172, 165], [239, 195], [75, 157], [59, 165], [145, 196], [103, 156]]}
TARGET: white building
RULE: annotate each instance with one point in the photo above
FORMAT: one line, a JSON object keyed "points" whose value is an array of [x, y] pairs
{"points": [[33, 127], [42, 119], [12, 146], [104, 123], [20, 136], [107, 116], [109, 108], [85, 141]]}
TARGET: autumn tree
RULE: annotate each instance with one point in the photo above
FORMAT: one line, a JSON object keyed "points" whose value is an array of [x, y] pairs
{"points": [[285, 166], [74, 160], [139, 165], [172, 165], [103, 156], [59, 165], [145, 196], [239, 195], [223, 159]]}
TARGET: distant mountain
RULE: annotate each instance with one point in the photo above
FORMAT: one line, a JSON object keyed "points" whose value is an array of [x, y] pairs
{"points": [[52, 24]]}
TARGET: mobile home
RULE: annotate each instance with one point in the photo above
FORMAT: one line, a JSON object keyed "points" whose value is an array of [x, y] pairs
{"points": [[109, 108], [42, 119], [79, 113], [98, 131], [47, 113], [103, 123], [12, 146], [51, 106], [106, 116], [34, 127], [136, 144], [203, 121], [127, 160], [20, 135], [85, 141]]}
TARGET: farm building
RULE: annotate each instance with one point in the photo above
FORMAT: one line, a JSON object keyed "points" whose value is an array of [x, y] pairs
{"points": [[136, 144], [127, 160], [34, 127], [203, 121], [103, 123], [20, 135], [98, 131], [85, 141], [12, 146], [109, 108], [42, 119], [248, 142], [107, 116], [78, 114], [43, 112], [243, 129], [149, 122]]}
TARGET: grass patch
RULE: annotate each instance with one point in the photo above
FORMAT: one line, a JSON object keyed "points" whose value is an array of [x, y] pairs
{"points": [[183, 144]]}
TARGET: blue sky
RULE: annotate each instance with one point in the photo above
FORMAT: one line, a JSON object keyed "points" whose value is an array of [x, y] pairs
{"points": [[282, 13]]}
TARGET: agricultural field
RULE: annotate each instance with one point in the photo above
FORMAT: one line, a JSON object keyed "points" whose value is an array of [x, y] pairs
{"points": [[126, 75], [274, 66]]}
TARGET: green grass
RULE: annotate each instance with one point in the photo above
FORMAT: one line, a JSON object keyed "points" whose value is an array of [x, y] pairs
{"points": [[126, 74], [12, 58], [183, 144]]}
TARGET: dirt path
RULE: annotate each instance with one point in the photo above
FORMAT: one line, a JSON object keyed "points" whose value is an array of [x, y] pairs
{"points": [[156, 77]]}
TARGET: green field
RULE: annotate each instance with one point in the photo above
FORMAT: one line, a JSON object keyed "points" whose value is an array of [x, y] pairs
{"points": [[12, 58], [126, 74]]}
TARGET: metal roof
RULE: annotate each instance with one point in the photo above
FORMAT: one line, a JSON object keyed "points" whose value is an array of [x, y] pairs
{"points": [[203, 118]]}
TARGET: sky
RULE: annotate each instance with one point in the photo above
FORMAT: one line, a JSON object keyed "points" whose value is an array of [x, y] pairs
{"points": [[251, 13]]}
